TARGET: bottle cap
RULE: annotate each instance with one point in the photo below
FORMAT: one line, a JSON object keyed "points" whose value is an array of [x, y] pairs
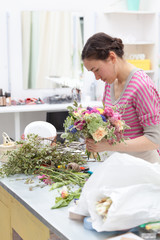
{"points": [[7, 94]]}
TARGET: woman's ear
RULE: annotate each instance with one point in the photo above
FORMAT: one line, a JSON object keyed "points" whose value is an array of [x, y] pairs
{"points": [[112, 56]]}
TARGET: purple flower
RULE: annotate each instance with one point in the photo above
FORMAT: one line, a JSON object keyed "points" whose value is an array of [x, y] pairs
{"points": [[89, 108], [103, 118], [72, 129]]}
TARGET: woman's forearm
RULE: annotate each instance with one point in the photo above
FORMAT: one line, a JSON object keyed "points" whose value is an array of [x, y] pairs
{"points": [[139, 144]]}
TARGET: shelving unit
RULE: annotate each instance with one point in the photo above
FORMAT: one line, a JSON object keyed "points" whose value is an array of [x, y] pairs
{"points": [[139, 32]]}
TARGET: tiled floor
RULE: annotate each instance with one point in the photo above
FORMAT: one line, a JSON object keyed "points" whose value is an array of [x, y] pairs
{"points": [[15, 236]]}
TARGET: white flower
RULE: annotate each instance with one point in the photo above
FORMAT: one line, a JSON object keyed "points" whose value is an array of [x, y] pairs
{"points": [[102, 206]]}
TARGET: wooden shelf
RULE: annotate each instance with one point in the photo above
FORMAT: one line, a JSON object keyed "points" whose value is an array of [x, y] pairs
{"points": [[134, 33], [139, 43], [130, 12]]}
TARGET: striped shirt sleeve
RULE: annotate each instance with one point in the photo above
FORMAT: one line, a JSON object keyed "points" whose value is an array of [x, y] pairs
{"points": [[153, 133]]}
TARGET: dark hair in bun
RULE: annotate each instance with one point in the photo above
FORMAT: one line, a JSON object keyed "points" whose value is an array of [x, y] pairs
{"points": [[100, 44]]}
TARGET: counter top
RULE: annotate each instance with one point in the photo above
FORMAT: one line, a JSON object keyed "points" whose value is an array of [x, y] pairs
{"points": [[18, 109], [45, 107], [39, 202]]}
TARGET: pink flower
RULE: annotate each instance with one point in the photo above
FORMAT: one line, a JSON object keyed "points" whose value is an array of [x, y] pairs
{"points": [[86, 112], [80, 124], [47, 181], [119, 135], [115, 118], [108, 112], [92, 110], [119, 124], [42, 176], [64, 192], [95, 110], [111, 141]]}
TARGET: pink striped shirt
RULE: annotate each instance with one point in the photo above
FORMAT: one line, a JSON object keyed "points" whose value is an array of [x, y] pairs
{"points": [[141, 101]]}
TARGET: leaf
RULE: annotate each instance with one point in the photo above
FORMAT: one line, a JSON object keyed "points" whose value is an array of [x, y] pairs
{"points": [[75, 104], [60, 202], [63, 202], [58, 185], [70, 109]]}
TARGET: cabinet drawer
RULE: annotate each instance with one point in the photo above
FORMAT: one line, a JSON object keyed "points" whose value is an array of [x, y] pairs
{"points": [[25, 224]]}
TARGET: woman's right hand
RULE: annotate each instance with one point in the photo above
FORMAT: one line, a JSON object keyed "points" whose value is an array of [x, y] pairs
{"points": [[93, 146]]}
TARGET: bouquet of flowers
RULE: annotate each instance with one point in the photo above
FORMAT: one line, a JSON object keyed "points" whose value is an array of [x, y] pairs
{"points": [[96, 123], [102, 207]]}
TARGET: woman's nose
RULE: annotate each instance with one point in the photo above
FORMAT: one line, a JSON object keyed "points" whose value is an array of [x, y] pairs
{"points": [[97, 76]]}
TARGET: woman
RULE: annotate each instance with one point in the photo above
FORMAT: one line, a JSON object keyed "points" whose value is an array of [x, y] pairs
{"points": [[125, 85]]}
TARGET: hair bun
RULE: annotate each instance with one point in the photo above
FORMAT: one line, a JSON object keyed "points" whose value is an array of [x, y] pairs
{"points": [[99, 46], [117, 43], [119, 40]]}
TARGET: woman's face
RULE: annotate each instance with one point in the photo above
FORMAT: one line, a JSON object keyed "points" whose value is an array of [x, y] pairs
{"points": [[102, 69]]}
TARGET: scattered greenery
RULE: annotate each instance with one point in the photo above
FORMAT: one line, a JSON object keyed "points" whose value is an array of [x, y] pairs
{"points": [[63, 202], [62, 177], [65, 179], [32, 153], [33, 157]]}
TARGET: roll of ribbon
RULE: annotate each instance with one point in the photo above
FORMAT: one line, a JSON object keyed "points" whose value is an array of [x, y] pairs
{"points": [[87, 222]]}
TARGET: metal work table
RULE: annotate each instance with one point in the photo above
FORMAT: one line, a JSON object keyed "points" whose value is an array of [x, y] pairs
{"points": [[39, 202]]}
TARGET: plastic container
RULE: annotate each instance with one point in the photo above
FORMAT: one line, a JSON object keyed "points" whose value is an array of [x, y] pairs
{"points": [[4, 149], [143, 64], [150, 231], [133, 5]]}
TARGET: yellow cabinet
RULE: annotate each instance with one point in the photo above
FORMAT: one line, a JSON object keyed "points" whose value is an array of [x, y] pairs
{"points": [[14, 217], [5, 226], [26, 224], [5, 218]]}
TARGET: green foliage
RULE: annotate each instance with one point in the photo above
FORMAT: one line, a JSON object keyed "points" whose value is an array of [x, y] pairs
{"points": [[67, 135], [63, 176], [63, 202], [32, 153], [94, 122]]}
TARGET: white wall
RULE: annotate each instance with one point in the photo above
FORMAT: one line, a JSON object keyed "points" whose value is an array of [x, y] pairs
{"points": [[14, 7], [4, 78], [88, 7]]}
